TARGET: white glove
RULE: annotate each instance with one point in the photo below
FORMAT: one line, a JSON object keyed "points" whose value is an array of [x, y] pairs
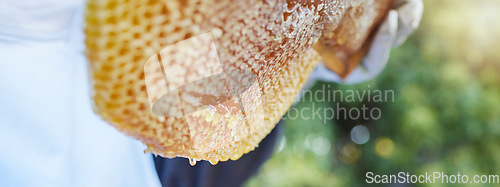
{"points": [[401, 21]]}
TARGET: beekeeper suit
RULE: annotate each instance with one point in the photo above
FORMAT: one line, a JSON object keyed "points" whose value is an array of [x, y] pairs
{"points": [[49, 135]]}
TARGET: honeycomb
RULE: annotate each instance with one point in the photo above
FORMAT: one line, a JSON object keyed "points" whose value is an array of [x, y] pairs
{"points": [[271, 38], [343, 47], [186, 78]]}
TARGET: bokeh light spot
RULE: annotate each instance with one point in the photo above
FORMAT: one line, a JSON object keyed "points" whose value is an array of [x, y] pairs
{"points": [[384, 147], [321, 146], [360, 134]]}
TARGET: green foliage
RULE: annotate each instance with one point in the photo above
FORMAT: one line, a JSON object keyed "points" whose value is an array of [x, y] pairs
{"points": [[445, 116]]}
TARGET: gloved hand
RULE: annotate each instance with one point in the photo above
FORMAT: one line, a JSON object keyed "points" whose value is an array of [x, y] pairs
{"points": [[401, 21]]}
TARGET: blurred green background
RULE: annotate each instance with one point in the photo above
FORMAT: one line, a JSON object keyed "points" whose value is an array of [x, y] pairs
{"points": [[445, 116]]}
